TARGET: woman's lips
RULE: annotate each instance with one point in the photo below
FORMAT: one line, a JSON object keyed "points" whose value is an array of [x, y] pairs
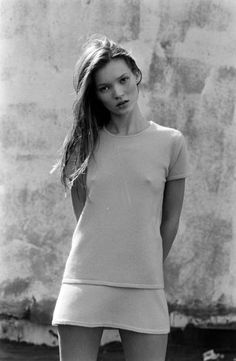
{"points": [[120, 104]]}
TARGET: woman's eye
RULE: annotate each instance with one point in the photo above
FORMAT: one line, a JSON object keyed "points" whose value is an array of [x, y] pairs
{"points": [[103, 89], [124, 80]]}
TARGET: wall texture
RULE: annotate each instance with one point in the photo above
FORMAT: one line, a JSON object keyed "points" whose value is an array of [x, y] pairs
{"points": [[187, 51]]}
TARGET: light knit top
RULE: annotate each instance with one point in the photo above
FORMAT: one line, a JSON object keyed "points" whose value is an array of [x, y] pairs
{"points": [[117, 239]]}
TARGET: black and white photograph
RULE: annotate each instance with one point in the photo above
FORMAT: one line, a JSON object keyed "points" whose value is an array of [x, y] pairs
{"points": [[117, 180]]}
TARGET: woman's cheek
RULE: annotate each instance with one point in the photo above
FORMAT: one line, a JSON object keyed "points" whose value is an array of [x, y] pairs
{"points": [[106, 102], [103, 100], [133, 89]]}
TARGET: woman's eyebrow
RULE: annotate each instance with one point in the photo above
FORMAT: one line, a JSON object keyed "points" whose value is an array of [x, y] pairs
{"points": [[119, 77], [122, 75], [101, 84]]}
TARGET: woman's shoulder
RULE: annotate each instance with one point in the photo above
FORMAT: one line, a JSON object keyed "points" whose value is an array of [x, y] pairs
{"points": [[165, 131]]}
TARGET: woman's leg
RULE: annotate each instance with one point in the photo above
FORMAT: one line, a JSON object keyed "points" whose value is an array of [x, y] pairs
{"points": [[77, 343], [143, 346]]}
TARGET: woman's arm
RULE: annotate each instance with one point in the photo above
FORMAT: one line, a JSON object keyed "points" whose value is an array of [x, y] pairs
{"points": [[171, 210], [78, 197]]}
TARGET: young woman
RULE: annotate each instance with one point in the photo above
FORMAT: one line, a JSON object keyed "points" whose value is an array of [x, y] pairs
{"points": [[126, 175]]}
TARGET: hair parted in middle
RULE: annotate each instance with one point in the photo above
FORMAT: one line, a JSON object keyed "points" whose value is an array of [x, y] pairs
{"points": [[89, 114]]}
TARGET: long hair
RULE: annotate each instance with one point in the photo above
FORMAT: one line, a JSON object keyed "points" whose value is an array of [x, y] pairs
{"points": [[89, 114]]}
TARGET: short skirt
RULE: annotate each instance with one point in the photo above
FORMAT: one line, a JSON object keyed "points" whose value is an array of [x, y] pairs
{"points": [[135, 309]]}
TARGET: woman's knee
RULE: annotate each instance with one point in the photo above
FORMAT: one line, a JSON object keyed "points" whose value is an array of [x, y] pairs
{"points": [[79, 343]]}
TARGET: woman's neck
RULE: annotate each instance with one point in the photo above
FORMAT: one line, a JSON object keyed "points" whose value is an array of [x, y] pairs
{"points": [[128, 124]]}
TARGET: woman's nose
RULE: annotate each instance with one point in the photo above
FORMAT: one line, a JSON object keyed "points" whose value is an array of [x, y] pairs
{"points": [[117, 91]]}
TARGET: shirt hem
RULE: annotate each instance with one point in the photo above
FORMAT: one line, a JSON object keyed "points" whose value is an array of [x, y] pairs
{"points": [[110, 325], [113, 284], [179, 176]]}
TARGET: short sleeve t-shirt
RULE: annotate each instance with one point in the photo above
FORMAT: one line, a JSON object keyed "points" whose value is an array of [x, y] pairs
{"points": [[117, 239]]}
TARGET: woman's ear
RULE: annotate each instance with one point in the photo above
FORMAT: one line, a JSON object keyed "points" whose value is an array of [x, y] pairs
{"points": [[138, 77]]}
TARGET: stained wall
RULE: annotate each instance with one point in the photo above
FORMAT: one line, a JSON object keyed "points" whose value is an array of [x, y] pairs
{"points": [[187, 51]]}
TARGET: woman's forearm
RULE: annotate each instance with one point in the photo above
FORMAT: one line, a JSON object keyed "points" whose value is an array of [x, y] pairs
{"points": [[171, 210], [168, 230]]}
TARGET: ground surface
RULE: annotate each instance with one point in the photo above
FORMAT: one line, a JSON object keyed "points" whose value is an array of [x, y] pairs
{"points": [[12, 351]]}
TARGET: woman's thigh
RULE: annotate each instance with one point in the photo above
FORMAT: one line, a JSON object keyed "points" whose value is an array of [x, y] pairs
{"points": [[79, 343], [143, 346]]}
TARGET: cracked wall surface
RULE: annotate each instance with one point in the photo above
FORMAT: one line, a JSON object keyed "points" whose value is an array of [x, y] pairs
{"points": [[187, 52]]}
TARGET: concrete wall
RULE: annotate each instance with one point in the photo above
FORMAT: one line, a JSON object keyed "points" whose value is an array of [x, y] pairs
{"points": [[187, 50]]}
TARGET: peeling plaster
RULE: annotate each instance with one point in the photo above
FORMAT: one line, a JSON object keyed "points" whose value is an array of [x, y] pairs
{"points": [[210, 15], [134, 23], [14, 287]]}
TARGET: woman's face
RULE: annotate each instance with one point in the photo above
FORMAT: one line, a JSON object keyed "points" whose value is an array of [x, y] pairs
{"points": [[116, 87]]}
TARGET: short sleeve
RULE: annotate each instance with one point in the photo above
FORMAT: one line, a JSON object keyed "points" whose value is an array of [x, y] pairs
{"points": [[178, 167]]}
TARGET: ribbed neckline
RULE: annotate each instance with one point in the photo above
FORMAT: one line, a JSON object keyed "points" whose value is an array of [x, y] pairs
{"points": [[128, 135]]}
